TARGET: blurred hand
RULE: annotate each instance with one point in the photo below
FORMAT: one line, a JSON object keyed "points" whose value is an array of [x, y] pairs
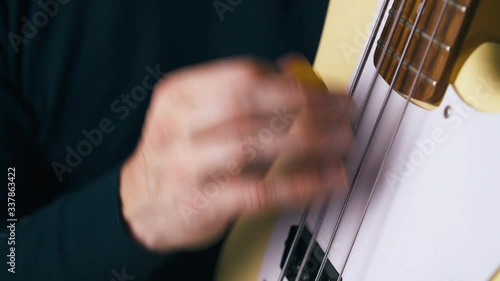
{"points": [[226, 138]]}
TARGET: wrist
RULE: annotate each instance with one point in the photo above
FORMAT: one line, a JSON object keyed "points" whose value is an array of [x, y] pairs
{"points": [[132, 196]]}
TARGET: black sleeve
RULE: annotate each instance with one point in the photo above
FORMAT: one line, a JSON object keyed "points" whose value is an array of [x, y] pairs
{"points": [[77, 235]]}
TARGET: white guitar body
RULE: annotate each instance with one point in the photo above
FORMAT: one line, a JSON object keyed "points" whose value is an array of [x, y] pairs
{"points": [[435, 209], [435, 215]]}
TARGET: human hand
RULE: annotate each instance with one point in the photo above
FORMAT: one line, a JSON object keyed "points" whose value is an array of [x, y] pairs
{"points": [[226, 138]]}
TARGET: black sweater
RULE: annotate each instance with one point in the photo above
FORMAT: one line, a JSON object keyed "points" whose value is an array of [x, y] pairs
{"points": [[75, 81]]}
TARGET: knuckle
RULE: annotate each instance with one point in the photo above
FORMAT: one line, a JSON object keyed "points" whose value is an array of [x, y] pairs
{"points": [[173, 89], [269, 196], [252, 199], [165, 84], [249, 68], [234, 132]]}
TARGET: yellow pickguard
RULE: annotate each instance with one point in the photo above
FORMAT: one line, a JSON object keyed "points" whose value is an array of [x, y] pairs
{"points": [[496, 277]]}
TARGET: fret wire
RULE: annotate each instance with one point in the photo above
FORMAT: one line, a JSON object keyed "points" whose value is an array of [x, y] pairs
{"points": [[458, 6], [409, 66], [422, 32]]}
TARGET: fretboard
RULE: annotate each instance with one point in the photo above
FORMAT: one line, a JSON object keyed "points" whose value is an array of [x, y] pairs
{"points": [[435, 41]]}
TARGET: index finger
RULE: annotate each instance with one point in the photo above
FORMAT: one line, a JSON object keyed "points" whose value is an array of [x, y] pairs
{"points": [[212, 94]]}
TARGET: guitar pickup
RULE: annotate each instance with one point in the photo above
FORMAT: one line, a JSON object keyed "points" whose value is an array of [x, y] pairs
{"points": [[313, 264]]}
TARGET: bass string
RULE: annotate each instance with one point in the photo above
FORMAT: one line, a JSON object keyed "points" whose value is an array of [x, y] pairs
{"points": [[352, 91], [365, 100], [379, 116], [339, 219], [371, 42], [393, 137], [373, 80], [295, 240], [317, 227]]}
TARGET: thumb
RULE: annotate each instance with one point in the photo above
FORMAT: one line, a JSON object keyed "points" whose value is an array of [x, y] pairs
{"points": [[296, 66]]}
